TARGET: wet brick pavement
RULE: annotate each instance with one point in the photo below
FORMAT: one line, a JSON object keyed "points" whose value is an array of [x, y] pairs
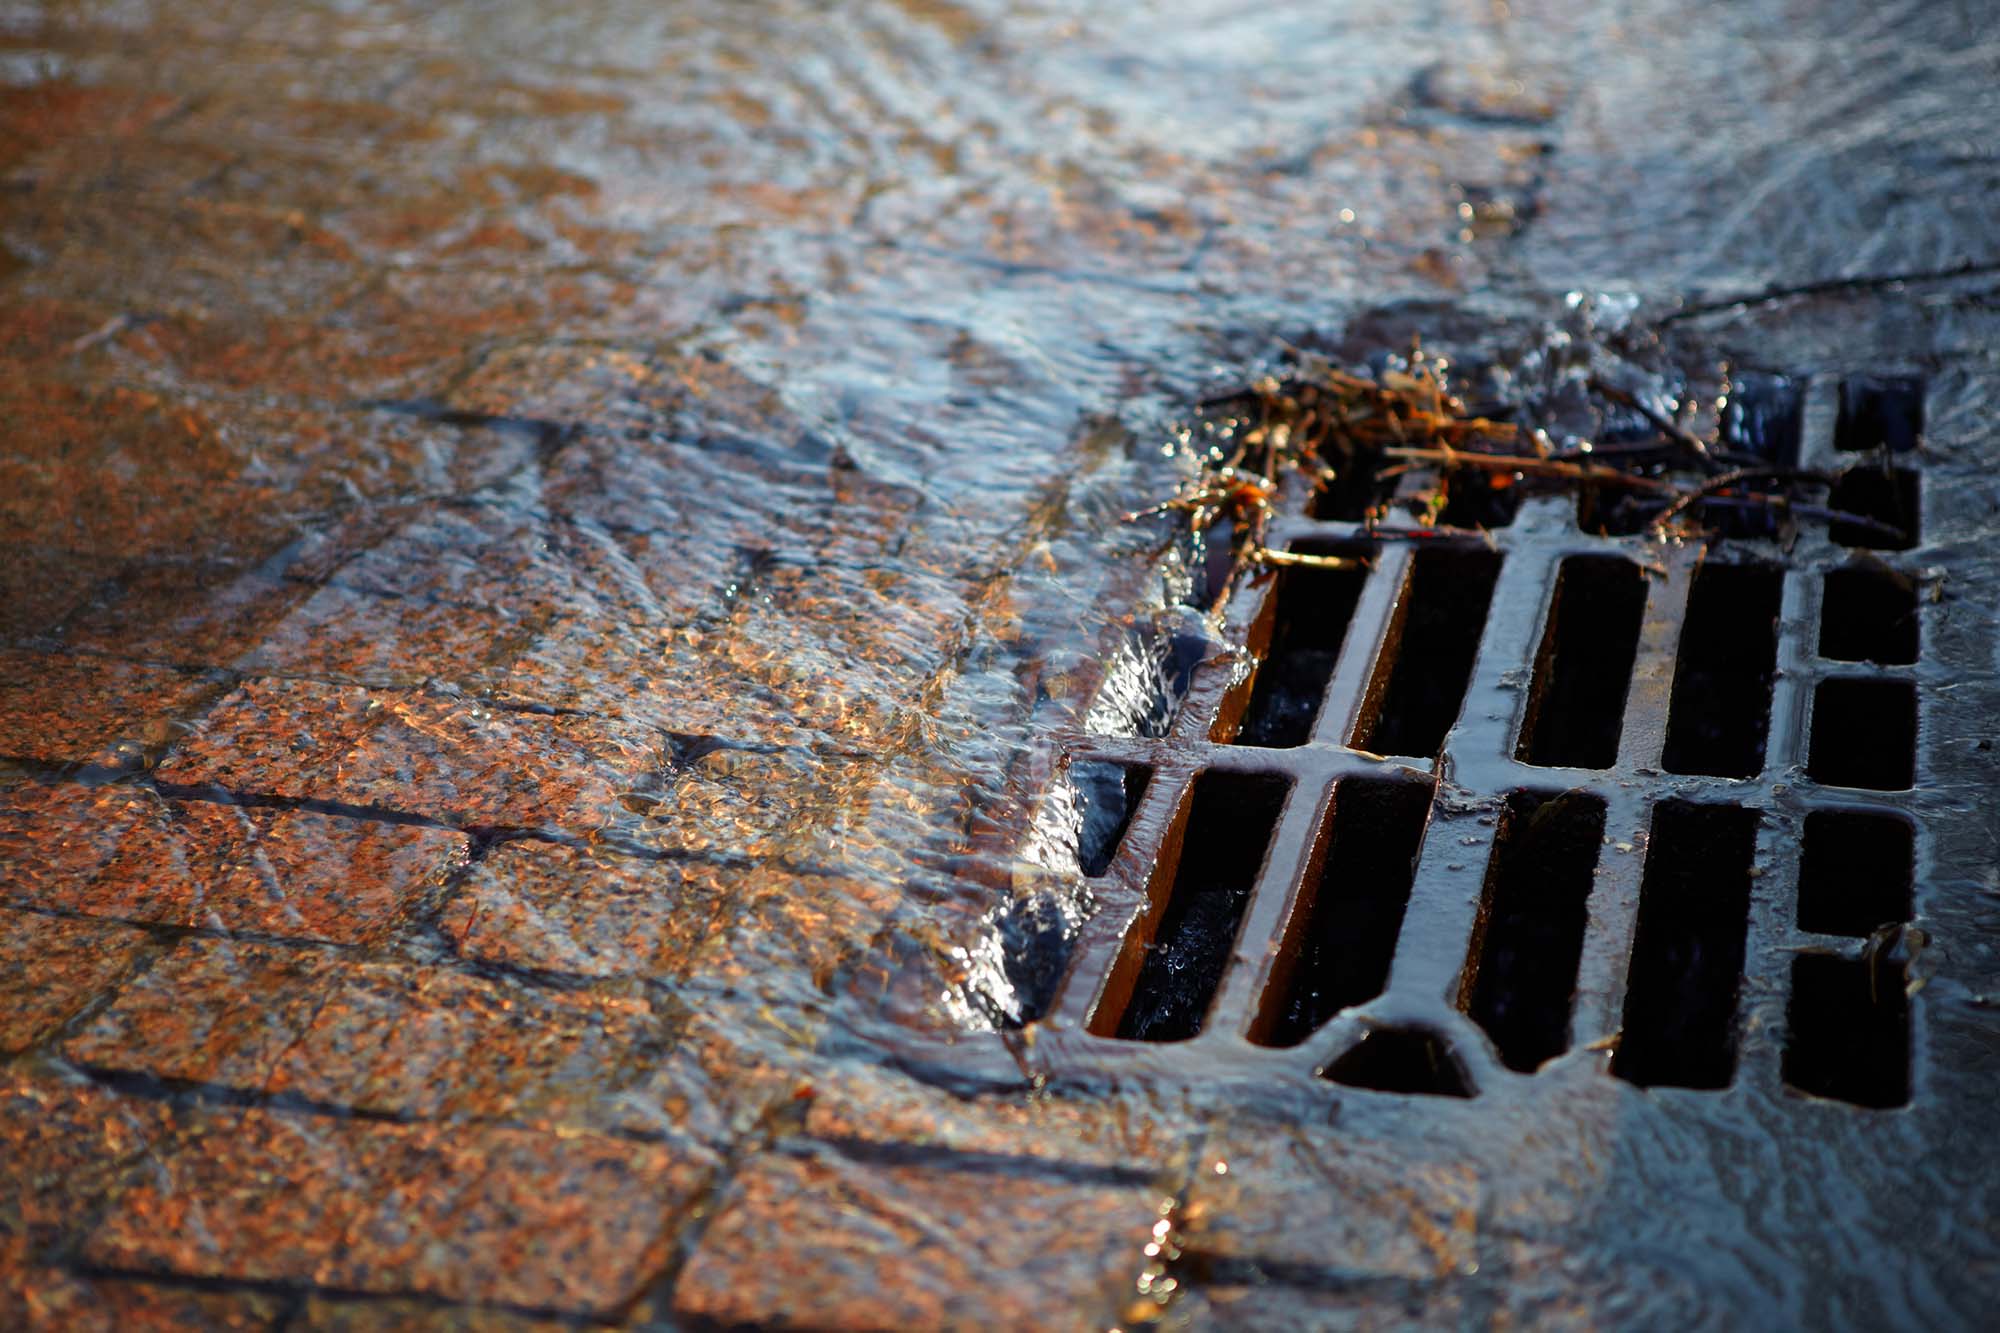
{"points": [[539, 541]]}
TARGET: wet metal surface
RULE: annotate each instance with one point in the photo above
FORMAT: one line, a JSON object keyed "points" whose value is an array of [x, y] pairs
{"points": [[582, 739]]}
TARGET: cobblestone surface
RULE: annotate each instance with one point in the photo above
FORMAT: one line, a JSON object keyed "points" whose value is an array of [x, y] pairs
{"points": [[542, 543]]}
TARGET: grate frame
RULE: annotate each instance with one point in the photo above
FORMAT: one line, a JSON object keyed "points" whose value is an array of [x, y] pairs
{"points": [[1469, 781]]}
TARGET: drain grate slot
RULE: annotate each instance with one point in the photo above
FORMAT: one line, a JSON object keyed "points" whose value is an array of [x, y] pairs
{"points": [[1429, 652], [1864, 734], [1228, 831], [1856, 872], [1879, 411], [1477, 499], [1764, 417], [1847, 1030], [1887, 495], [1344, 938], [1311, 609], [1521, 970], [1721, 709], [1406, 1060], [1107, 795], [1584, 668], [1869, 615], [1687, 956]]}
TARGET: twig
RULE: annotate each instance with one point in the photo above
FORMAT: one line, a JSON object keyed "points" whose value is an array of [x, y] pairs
{"points": [[1304, 559], [1821, 512], [1866, 283], [1537, 467], [1728, 479], [1673, 430]]}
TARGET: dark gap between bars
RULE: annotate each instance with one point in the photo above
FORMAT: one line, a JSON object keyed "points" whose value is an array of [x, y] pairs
{"points": [[1880, 410], [1847, 1030], [1339, 954], [1887, 495], [1864, 734], [1856, 872], [1228, 832], [1869, 614], [1311, 611], [1687, 954], [1584, 667], [1721, 707], [1107, 795], [1411, 1061], [1521, 968], [1432, 643], [1764, 419]]}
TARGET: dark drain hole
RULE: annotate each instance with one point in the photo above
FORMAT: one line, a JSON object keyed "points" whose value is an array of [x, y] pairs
{"points": [[1887, 495], [1521, 970], [1847, 1031], [1584, 668], [1344, 936], [1405, 1060], [1475, 498], [1430, 647], [1355, 488], [1764, 417], [1228, 829], [1107, 794], [1721, 707], [1855, 874], [1864, 734], [1869, 615], [1880, 410], [1310, 612], [1687, 956]]}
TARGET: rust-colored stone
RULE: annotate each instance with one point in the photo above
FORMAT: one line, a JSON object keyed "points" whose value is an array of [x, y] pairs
{"points": [[265, 871], [574, 1224], [552, 908], [51, 967], [40, 1298], [64, 1147], [428, 751], [969, 1249], [69, 709], [390, 1038]]}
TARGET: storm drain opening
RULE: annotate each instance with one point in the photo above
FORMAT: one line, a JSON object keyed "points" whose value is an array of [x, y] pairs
{"points": [[1428, 654], [1310, 610], [1880, 411], [1721, 707], [1321, 912], [1762, 419], [1107, 796], [1864, 734], [1687, 954], [1847, 1030], [1869, 614], [1856, 872], [1410, 1061], [1584, 669], [1888, 496], [1521, 969], [1228, 832], [1345, 925], [1765, 417]]}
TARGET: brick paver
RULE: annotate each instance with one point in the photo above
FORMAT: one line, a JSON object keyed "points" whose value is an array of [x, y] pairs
{"points": [[490, 1216]]}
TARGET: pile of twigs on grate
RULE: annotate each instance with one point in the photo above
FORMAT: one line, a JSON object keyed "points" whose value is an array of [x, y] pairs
{"points": [[1326, 423]]}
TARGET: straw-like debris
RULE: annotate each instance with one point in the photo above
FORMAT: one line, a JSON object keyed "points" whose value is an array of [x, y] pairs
{"points": [[1404, 424]]}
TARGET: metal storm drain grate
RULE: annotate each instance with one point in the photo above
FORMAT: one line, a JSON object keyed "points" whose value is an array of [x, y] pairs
{"points": [[1429, 824]]}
